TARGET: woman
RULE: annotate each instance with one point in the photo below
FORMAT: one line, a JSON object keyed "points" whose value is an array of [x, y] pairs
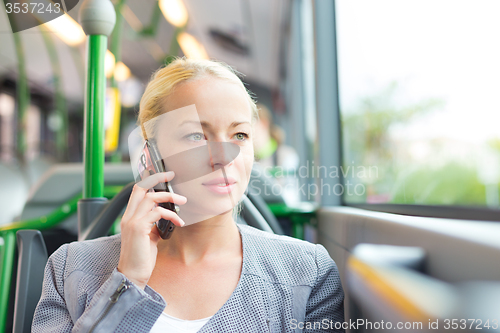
{"points": [[210, 276]]}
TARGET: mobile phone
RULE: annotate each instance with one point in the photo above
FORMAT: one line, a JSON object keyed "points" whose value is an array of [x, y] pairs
{"points": [[150, 162]]}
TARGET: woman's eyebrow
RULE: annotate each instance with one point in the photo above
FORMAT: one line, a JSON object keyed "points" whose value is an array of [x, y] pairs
{"points": [[191, 122], [207, 125], [236, 123]]}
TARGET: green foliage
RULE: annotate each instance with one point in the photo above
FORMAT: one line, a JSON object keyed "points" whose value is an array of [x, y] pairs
{"points": [[449, 184], [495, 144], [402, 180], [366, 128]]}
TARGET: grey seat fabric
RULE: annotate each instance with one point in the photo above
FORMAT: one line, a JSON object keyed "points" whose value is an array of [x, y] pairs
{"points": [[31, 265]]}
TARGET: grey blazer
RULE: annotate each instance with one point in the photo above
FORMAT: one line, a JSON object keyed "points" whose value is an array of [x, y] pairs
{"points": [[285, 285]]}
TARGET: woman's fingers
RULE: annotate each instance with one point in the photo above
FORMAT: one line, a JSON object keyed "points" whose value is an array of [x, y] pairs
{"points": [[141, 188], [135, 199], [153, 198], [154, 235], [163, 213], [142, 225], [153, 180]]}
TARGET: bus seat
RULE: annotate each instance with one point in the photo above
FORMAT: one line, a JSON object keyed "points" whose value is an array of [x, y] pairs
{"points": [[264, 210], [31, 264], [62, 182], [253, 217], [240, 220], [36, 167], [13, 192]]}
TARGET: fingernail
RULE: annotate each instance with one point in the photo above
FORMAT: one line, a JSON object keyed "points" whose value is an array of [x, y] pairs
{"points": [[182, 223]]}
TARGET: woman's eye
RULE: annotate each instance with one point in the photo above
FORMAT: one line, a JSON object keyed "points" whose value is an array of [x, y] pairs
{"points": [[241, 136], [196, 136]]}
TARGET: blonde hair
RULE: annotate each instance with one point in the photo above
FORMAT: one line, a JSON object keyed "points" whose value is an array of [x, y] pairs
{"points": [[166, 79]]}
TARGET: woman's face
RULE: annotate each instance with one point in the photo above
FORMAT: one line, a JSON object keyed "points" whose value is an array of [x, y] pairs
{"points": [[205, 137]]}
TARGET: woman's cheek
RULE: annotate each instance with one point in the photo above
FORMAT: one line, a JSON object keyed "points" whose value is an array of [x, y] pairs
{"points": [[247, 155]]}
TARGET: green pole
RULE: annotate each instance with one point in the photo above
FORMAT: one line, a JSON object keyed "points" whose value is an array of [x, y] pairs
{"points": [[173, 50], [116, 37], [23, 97], [97, 18], [7, 251], [115, 47], [60, 102], [94, 118], [152, 29], [79, 63]]}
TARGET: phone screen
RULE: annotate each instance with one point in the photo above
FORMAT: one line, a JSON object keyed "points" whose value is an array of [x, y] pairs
{"points": [[150, 162]]}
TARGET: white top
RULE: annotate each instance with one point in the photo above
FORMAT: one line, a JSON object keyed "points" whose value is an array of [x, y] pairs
{"points": [[166, 323]]}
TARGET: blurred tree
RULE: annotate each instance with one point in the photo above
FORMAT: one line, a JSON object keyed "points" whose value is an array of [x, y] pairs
{"points": [[366, 139], [450, 184], [367, 127]]}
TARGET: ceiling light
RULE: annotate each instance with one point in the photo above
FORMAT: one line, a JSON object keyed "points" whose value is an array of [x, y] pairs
{"points": [[109, 64], [7, 105], [174, 11], [191, 47], [122, 72], [67, 29]]}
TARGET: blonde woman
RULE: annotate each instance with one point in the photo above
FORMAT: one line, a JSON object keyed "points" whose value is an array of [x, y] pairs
{"points": [[210, 276]]}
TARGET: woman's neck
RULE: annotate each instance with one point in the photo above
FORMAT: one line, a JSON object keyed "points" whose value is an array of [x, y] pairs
{"points": [[202, 241]]}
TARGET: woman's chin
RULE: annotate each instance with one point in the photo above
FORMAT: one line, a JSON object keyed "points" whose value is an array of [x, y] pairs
{"points": [[203, 211], [204, 204]]}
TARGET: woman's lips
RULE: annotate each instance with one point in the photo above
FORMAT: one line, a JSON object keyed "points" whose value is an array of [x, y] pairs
{"points": [[220, 189], [221, 185]]}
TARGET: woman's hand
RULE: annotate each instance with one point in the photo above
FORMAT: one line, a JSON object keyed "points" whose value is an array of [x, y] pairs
{"points": [[139, 235]]}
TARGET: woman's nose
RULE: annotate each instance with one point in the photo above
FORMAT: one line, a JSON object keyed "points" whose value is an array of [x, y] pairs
{"points": [[222, 153]]}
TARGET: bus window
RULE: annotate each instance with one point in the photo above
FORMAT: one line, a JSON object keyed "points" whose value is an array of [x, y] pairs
{"points": [[418, 97]]}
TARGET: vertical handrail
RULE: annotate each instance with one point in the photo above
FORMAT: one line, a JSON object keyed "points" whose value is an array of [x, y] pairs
{"points": [[115, 45], [60, 100], [93, 179], [116, 38], [7, 258], [97, 18], [23, 97]]}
